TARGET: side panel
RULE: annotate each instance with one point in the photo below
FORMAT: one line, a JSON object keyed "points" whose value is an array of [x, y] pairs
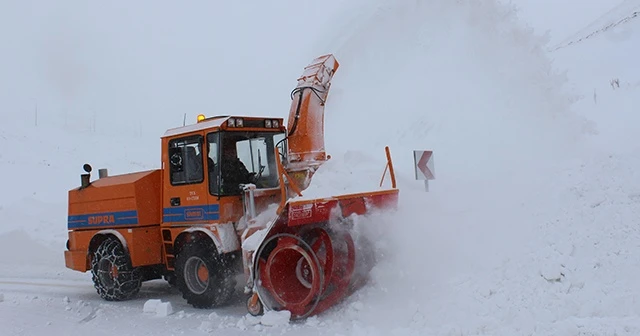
{"points": [[149, 198], [302, 212], [144, 246], [103, 219], [117, 201]]}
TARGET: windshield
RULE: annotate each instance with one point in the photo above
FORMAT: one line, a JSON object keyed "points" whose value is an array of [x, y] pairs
{"points": [[241, 158]]}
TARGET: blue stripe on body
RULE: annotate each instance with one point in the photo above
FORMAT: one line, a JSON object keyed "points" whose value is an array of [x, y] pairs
{"points": [[209, 212], [103, 219]]}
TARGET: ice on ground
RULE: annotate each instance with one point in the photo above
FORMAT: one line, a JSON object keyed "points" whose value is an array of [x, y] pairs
{"points": [[207, 326], [164, 309], [150, 306], [274, 318], [157, 307], [247, 321]]}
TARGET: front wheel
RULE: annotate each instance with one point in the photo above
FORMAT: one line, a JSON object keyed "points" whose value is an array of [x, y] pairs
{"points": [[114, 278], [203, 276]]}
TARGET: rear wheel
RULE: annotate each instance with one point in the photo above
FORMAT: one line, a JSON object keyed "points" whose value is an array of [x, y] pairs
{"points": [[203, 276], [114, 277]]}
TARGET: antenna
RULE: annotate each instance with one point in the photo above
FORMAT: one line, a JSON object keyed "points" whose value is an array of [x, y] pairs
{"points": [[184, 120]]}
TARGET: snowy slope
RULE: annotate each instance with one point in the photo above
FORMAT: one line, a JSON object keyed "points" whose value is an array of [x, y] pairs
{"points": [[607, 82], [529, 229]]}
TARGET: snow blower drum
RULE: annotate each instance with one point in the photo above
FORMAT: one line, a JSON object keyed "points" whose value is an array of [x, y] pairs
{"points": [[310, 272]]}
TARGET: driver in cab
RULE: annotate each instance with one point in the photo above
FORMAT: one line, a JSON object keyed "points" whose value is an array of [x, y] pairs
{"points": [[234, 172]]}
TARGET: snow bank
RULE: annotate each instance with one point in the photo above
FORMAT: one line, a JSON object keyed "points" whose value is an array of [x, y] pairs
{"points": [[607, 82], [455, 274]]}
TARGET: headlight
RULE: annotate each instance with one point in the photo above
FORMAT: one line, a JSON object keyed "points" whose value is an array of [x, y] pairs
{"points": [[267, 123], [275, 124], [239, 122], [231, 122]]}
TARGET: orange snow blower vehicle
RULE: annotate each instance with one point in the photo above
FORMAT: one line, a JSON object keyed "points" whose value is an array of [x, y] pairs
{"points": [[227, 201]]}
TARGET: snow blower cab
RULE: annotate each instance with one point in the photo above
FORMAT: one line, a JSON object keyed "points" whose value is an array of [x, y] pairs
{"points": [[237, 150]]}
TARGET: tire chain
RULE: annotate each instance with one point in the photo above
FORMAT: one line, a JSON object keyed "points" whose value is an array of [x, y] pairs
{"points": [[128, 281]]}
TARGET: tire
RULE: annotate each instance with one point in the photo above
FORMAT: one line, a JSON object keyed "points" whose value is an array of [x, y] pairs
{"points": [[113, 276], [204, 277]]}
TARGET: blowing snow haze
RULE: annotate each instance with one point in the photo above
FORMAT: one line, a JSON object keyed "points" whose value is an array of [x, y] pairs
{"points": [[530, 227]]}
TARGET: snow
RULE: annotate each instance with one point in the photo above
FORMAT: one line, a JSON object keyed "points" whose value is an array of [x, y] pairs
{"points": [[150, 306], [158, 308], [530, 228], [263, 220], [164, 309], [253, 241], [349, 173], [275, 318], [269, 319]]}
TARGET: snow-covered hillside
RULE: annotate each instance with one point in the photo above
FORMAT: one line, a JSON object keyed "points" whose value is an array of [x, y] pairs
{"points": [[531, 227]]}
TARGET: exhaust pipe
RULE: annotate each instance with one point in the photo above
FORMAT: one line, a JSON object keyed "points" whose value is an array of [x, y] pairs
{"points": [[85, 179], [102, 173]]}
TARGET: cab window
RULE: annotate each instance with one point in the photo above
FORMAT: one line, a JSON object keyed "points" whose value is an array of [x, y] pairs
{"points": [[212, 163], [245, 157], [185, 161]]}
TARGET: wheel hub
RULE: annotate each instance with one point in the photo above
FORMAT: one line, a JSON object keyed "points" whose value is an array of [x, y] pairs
{"points": [[196, 275]]}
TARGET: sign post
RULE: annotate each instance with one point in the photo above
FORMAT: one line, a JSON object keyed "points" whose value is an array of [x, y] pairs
{"points": [[424, 166]]}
